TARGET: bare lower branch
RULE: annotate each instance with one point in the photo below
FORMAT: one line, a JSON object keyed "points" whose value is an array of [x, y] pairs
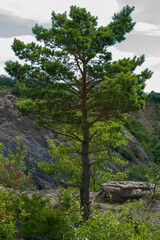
{"points": [[100, 150], [68, 184], [70, 135], [93, 135], [78, 64], [102, 160], [73, 91], [100, 116], [75, 136], [94, 85], [76, 80]]}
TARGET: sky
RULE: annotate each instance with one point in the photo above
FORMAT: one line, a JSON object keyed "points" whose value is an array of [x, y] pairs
{"points": [[17, 17]]}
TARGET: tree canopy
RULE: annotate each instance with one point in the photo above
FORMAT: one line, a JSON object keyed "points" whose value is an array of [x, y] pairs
{"points": [[83, 86]]}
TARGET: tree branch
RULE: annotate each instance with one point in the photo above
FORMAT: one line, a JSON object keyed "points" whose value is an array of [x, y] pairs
{"points": [[94, 85], [74, 91], [100, 150], [100, 116], [93, 135], [77, 80], [78, 64], [70, 135], [75, 136], [95, 162], [68, 184]]}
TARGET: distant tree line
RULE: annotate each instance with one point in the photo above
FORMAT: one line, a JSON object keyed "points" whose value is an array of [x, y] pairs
{"points": [[154, 96]]}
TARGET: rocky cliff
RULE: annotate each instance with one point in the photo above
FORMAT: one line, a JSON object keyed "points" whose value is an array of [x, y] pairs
{"points": [[12, 124]]}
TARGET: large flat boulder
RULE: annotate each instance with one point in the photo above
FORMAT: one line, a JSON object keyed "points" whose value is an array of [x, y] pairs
{"points": [[124, 190]]}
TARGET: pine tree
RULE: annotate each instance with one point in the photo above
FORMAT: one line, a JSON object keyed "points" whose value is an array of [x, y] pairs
{"points": [[75, 83]]}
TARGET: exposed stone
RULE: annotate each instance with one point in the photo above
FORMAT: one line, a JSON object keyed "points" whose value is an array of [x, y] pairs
{"points": [[12, 124], [121, 191]]}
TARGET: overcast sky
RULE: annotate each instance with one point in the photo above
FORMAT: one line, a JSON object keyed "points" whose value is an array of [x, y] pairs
{"points": [[17, 17]]}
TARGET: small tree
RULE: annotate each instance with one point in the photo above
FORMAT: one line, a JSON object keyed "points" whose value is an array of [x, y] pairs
{"points": [[82, 85], [13, 172], [67, 162]]}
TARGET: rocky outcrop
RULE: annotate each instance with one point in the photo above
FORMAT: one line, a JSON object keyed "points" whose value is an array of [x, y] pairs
{"points": [[12, 124], [121, 191]]}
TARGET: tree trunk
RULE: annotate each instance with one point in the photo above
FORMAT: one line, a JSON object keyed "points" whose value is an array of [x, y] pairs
{"points": [[84, 192]]}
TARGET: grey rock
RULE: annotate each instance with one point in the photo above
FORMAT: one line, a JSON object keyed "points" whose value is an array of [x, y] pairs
{"points": [[12, 124], [126, 190]]}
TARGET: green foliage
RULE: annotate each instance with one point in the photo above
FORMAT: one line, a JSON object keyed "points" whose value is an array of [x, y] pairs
{"points": [[21, 215], [6, 82], [38, 219], [13, 169], [136, 152], [67, 162], [142, 172], [33, 217], [154, 96], [15, 87], [131, 222], [150, 144], [116, 226], [7, 223], [72, 56], [84, 87], [126, 154]]}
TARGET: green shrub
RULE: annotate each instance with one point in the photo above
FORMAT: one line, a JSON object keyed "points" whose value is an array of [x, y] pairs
{"points": [[126, 154], [121, 226], [142, 172], [136, 152], [33, 217], [145, 139], [154, 96], [7, 224], [39, 219], [13, 172], [132, 222]]}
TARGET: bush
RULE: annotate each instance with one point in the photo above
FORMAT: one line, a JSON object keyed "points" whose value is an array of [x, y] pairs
{"points": [[7, 223], [154, 96], [122, 226], [132, 222], [33, 217], [145, 139], [13, 172], [142, 172], [127, 155], [38, 219]]}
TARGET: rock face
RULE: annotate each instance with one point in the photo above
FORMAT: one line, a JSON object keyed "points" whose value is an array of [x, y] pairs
{"points": [[121, 191], [12, 124]]}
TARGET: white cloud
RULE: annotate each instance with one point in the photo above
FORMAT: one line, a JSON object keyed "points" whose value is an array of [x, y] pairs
{"points": [[40, 11], [117, 54], [147, 28], [153, 63], [6, 53], [153, 84], [154, 33]]}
